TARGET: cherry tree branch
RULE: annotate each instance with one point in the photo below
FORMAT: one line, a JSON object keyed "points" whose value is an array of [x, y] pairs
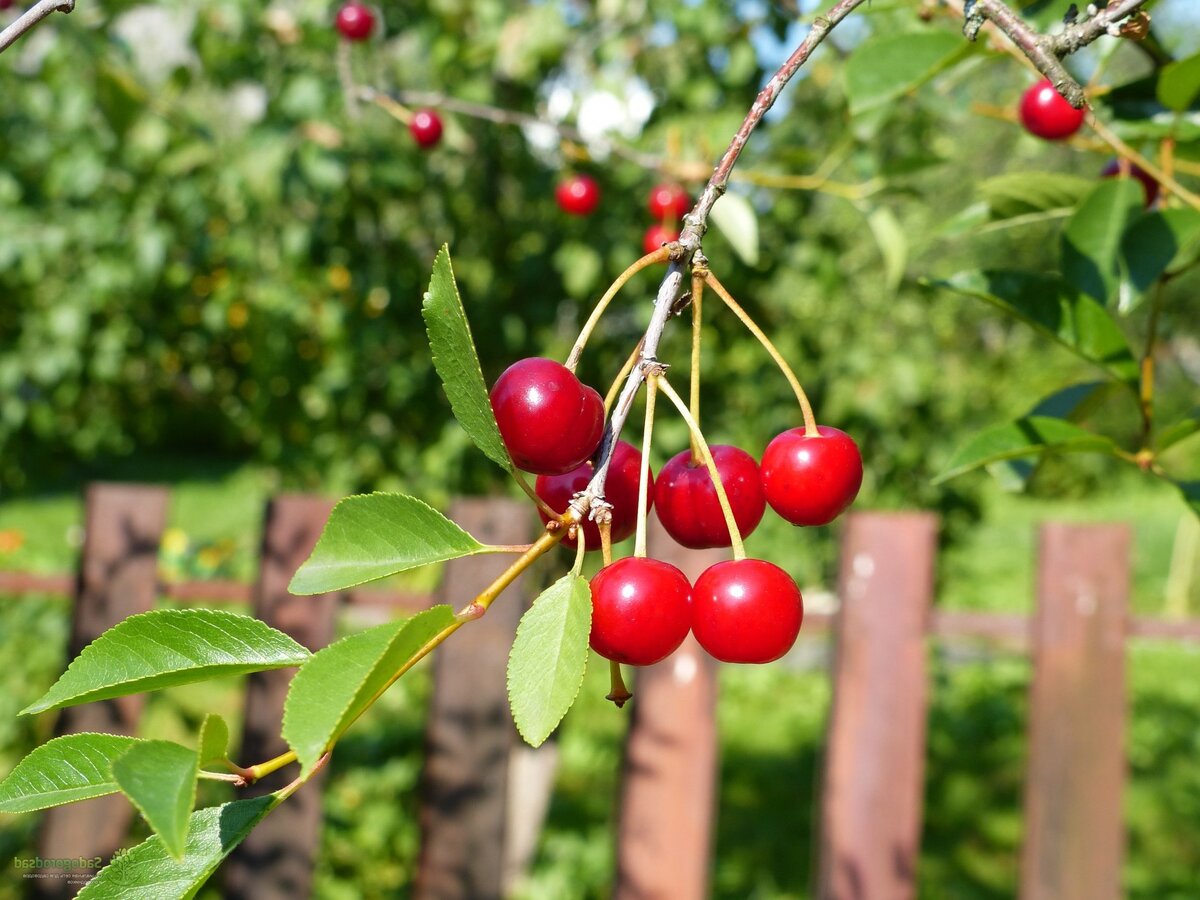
{"points": [[31, 17], [1045, 51]]}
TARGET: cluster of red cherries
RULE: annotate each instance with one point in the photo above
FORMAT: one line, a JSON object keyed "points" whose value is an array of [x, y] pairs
{"points": [[742, 610], [579, 195]]}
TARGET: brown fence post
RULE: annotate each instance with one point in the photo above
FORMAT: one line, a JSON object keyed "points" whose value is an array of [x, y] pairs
{"points": [[668, 779], [1074, 842], [874, 776], [117, 576], [276, 860], [470, 733]]}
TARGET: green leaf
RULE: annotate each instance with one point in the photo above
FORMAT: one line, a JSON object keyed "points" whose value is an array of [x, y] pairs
{"points": [[736, 220], [148, 872], [1022, 193], [372, 536], [213, 746], [1176, 432], [457, 363], [159, 777], [1154, 244], [1030, 436], [1179, 84], [1091, 240], [63, 770], [893, 245], [342, 680], [168, 647], [1190, 490], [1056, 309], [549, 656], [884, 68]]}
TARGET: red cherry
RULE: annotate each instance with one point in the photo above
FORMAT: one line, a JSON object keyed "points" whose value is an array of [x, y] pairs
{"points": [[355, 21], [1047, 115], [811, 480], [746, 611], [426, 127], [687, 500], [1149, 185], [657, 235], [550, 422], [620, 489], [641, 611], [579, 195], [6, 4], [668, 201]]}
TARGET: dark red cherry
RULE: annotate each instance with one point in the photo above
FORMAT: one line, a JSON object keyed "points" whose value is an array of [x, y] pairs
{"points": [[355, 21], [1149, 185], [620, 489], [426, 128], [687, 500], [657, 235], [669, 201], [550, 421], [746, 611], [641, 611], [578, 195], [811, 480], [1046, 114]]}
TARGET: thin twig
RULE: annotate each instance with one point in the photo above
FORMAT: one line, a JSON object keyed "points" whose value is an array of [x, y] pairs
{"points": [[31, 17]]}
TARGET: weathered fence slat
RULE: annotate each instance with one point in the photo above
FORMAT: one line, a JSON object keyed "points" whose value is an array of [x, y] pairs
{"points": [[1074, 842], [668, 778], [470, 734], [276, 860], [874, 776], [117, 576]]}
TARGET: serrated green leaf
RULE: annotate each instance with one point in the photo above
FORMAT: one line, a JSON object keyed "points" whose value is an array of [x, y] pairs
{"points": [[340, 681], [1153, 244], [1176, 432], [169, 647], [213, 746], [159, 778], [148, 872], [884, 68], [63, 770], [549, 657], [457, 363], [1022, 193], [1179, 84], [736, 219], [1056, 309], [893, 245], [1091, 239], [1031, 436], [371, 536]]}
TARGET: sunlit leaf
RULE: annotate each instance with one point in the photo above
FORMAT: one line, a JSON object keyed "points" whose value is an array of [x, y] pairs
{"points": [[66, 769], [1030, 436], [159, 777]]}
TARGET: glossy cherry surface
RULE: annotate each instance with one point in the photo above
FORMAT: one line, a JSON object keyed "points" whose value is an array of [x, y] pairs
{"points": [[1046, 114], [550, 422], [668, 201], [578, 195], [657, 235], [355, 21], [1149, 185], [426, 127], [620, 489], [641, 611], [811, 481], [746, 611], [687, 503]]}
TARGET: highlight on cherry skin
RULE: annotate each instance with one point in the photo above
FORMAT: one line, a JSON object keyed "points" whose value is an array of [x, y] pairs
{"points": [[354, 21], [641, 611], [620, 489], [550, 422], [746, 611], [668, 201], [1046, 114], [578, 195], [687, 502], [426, 128], [811, 480]]}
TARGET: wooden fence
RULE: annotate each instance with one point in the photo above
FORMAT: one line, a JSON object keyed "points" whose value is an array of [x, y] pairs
{"points": [[483, 795]]}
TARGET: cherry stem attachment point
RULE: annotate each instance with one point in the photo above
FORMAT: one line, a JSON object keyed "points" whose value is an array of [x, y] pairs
{"points": [[810, 421], [639, 543], [618, 693], [660, 255], [735, 536]]}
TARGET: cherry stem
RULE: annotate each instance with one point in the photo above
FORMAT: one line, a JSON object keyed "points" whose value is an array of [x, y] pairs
{"points": [[735, 537], [231, 777], [396, 110], [525, 486], [694, 373], [580, 549], [605, 541], [810, 422], [618, 693], [639, 543], [658, 256], [615, 388], [284, 792]]}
